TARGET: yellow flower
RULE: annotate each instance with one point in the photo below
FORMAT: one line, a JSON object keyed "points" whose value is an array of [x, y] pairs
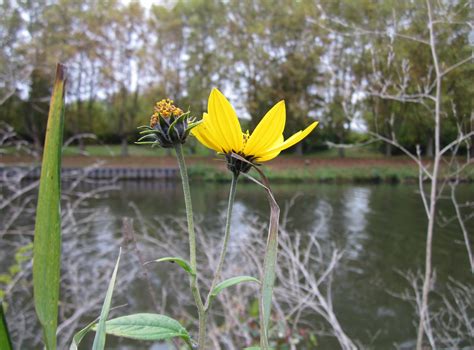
{"points": [[220, 130]]}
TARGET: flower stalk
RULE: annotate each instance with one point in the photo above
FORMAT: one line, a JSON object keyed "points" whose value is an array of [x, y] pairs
{"points": [[225, 243], [192, 246]]}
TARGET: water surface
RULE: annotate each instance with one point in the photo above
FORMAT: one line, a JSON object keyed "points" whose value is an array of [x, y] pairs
{"points": [[381, 227]]}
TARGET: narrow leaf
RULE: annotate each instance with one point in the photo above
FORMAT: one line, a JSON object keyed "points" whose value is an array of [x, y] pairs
{"points": [[148, 136], [5, 342], [146, 326], [47, 240], [180, 262], [271, 250], [99, 340], [192, 126], [180, 119], [145, 132], [232, 282], [145, 143], [76, 340]]}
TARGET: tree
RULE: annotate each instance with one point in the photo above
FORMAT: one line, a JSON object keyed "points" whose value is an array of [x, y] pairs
{"points": [[276, 52], [421, 77]]}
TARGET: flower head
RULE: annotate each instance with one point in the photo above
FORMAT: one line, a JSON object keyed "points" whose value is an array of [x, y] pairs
{"points": [[220, 130], [166, 109], [169, 125]]}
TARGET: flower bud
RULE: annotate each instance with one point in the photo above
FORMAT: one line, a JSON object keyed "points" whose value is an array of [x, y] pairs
{"points": [[169, 125]]}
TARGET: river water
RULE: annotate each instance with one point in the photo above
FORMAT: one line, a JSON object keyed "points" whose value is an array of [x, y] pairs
{"points": [[381, 229]]}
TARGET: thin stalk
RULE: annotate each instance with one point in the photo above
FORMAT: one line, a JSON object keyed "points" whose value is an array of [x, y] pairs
{"points": [[205, 309], [192, 246], [230, 206]]}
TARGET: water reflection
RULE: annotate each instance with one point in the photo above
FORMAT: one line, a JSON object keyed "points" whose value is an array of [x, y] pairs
{"points": [[239, 226], [356, 206], [322, 218]]}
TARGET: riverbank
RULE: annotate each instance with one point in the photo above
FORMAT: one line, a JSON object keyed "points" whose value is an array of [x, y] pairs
{"points": [[286, 168]]}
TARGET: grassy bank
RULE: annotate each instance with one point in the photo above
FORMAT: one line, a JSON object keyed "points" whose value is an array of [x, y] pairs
{"points": [[194, 149], [375, 174], [359, 165]]}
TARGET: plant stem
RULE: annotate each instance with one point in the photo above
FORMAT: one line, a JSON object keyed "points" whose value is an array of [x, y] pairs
{"points": [[189, 206], [192, 246], [230, 206]]}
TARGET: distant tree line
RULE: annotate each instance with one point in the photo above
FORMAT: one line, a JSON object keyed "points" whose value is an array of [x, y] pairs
{"points": [[123, 57]]}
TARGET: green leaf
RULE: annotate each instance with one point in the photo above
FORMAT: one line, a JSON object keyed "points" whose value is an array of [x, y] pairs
{"points": [[179, 261], [47, 241], [76, 340], [232, 282], [270, 259], [146, 326], [99, 340], [5, 278], [5, 342]]}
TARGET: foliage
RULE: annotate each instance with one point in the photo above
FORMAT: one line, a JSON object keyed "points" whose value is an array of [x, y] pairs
{"points": [[47, 242], [101, 329], [121, 57]]}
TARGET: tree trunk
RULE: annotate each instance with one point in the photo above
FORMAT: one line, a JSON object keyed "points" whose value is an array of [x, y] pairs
{"points": [[388, 149], [471, 148], [429, 147], [80, 116], [299, 148], [124, 146], [341, 152]]}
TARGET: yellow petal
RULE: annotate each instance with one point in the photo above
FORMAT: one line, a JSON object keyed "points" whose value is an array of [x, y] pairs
{"points": [[202, 133], [268, 156], [228, 132], [271, 155], [294, 139], [267, 131], [212, 131]]}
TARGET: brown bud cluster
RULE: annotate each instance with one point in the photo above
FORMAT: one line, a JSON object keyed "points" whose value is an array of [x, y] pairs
{"points": [[166, 109]]}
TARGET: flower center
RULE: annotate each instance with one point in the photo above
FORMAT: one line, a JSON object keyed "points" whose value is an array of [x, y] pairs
{"points": [[166, 109]]}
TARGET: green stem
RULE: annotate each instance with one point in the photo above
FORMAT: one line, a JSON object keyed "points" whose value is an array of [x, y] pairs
{"points": [[189, 205], [192, 246], [230, 206]]}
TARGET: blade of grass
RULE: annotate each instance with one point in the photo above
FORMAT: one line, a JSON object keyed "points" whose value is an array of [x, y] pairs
{"points": [[47, 241], [99, 340], [5, 342]]}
